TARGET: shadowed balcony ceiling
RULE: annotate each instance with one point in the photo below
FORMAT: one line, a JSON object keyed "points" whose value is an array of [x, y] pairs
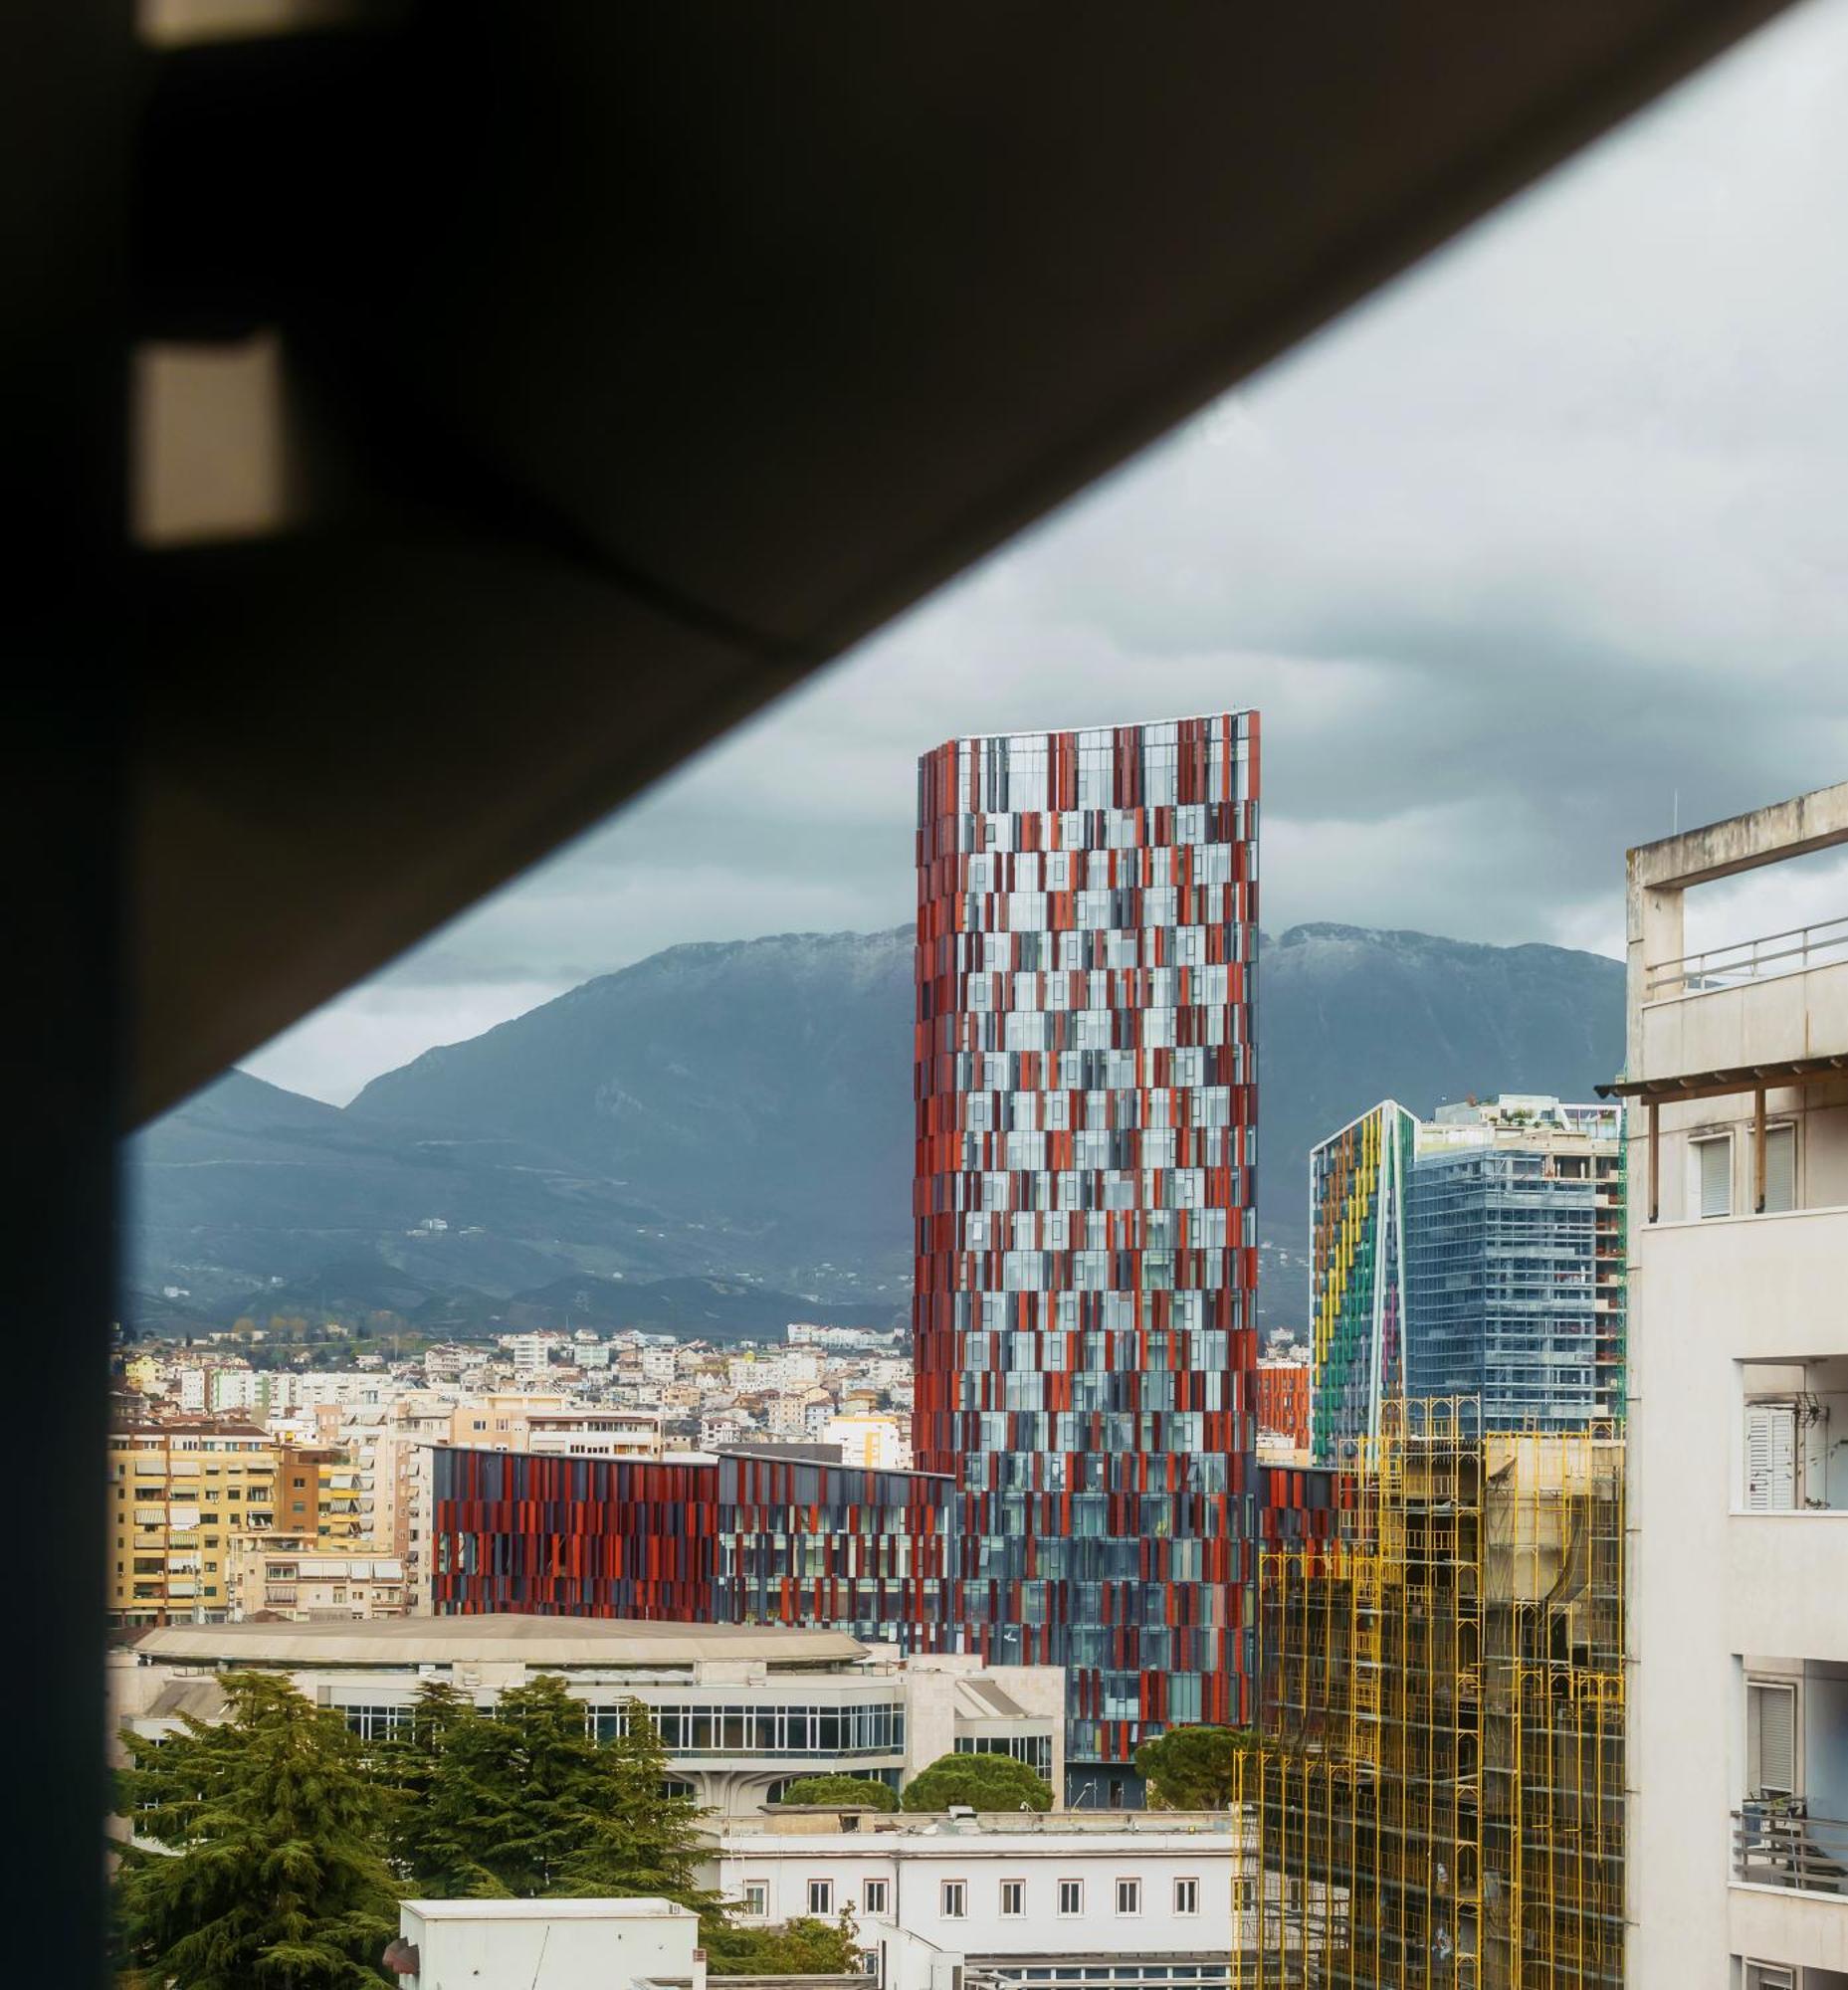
{"points": [[639, 360]]}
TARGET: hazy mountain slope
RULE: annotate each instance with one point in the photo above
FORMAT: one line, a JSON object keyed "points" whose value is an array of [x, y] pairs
{"points": [[742, 1111], [1347, 1016], [765, 1083]]}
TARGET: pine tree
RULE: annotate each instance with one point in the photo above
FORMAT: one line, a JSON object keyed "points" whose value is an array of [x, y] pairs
{"points": [[270, 1877], [1192, 1768], [635, 1838], [433, 1826]]}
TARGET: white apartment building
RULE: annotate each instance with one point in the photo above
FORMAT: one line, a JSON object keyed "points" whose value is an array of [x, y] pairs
{"points": [[1736, 1072], [1065, 1897], [742, 1710], [528, 1354], [595, 1432], [879, 1441]]}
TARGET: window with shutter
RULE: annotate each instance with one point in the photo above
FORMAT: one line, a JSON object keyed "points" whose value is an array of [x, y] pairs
{"points": [[1779, 1169], [1714, 1175], [1770, 1458], [1771, 1712], [1770, 1976]]}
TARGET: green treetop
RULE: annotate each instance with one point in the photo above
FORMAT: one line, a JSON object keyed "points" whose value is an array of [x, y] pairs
{"points": [[841, 1789], [983, 1782], [1192, 1768]]}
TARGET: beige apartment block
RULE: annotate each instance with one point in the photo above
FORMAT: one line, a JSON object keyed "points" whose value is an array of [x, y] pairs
{"points": [[1736, 1073], [300, 1581]]}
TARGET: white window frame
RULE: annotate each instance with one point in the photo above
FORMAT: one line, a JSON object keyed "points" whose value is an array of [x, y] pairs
{"points": [[874, 1894], [1770, 1976], [1762, 1695], [1129, 1890], [954, 1899], [1019, 1907], [1187, 1897], [820, 1897], [1074, 1891], [758, 1899], [1773, 1459], [1780, 1136], [1697, 1176]]}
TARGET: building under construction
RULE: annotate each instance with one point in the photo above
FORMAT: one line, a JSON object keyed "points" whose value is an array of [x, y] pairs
{"points": [[1437, 1788]]}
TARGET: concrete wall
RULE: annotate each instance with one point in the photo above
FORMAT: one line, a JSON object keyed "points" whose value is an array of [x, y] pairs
{"points": [[1760, 1022], [547, 1944]]}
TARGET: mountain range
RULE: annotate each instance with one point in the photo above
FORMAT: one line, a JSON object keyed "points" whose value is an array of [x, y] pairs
{"points": [[719, 1138]]}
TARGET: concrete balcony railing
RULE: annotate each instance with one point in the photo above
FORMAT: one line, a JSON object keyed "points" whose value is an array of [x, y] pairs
{"points": [[1763, 959], [1689, 1029], [1774, 1847]]}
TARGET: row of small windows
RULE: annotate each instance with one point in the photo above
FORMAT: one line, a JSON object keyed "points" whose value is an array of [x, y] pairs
{"points": [[1144, 865], [1110, 1312], [689, 1730], [1110, 908], [1212, 1024], [1101, 992], [1031, 1232], [1112, 950], [1033, 1749], [1102, 1109], [953, 1897], [766, 1730], [1106, 1068], [1112, 1181], [1047, 1471]]}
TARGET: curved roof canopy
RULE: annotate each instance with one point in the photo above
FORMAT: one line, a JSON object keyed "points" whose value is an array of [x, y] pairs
{"points": [[493, 1640]]}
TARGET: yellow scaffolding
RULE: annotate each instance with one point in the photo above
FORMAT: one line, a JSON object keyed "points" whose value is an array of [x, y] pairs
{"points": [[1436, 1797]]}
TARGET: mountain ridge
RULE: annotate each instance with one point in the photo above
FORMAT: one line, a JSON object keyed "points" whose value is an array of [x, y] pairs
{"points": [[741, 1111]]}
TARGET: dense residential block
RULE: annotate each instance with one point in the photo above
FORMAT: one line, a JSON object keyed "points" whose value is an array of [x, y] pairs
{"points": [[1087, 1154], [1477, 1254]]}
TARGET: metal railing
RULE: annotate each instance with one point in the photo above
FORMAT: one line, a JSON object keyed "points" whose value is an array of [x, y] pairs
{"points": [[1760, 959], [1774, 1845]]}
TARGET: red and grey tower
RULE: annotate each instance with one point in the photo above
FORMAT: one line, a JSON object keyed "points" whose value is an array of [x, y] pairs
{"points": [[1085, 1174]]}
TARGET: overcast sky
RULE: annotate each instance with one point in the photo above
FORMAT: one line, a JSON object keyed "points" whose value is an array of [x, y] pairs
{"points": [[1546, 542]]}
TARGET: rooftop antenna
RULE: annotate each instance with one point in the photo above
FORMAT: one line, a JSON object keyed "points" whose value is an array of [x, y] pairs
{"points": [[1677, 828]]}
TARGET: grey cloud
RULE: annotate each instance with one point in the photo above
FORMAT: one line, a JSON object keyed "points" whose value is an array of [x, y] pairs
{"points": [[1512, 557]]}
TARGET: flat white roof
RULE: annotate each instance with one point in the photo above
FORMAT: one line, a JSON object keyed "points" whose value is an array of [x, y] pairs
{"points": [[547, 1911]]}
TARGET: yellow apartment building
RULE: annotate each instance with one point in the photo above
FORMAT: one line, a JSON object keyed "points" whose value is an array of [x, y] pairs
{"points": [[182, 1494]]}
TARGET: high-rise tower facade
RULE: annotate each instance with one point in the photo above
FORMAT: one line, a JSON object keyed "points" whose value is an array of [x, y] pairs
{"points": [[1478, 1255], [1087, 1152]]}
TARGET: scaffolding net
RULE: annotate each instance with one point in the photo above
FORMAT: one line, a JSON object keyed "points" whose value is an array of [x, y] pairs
{"points": [[1435, 1792]]}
